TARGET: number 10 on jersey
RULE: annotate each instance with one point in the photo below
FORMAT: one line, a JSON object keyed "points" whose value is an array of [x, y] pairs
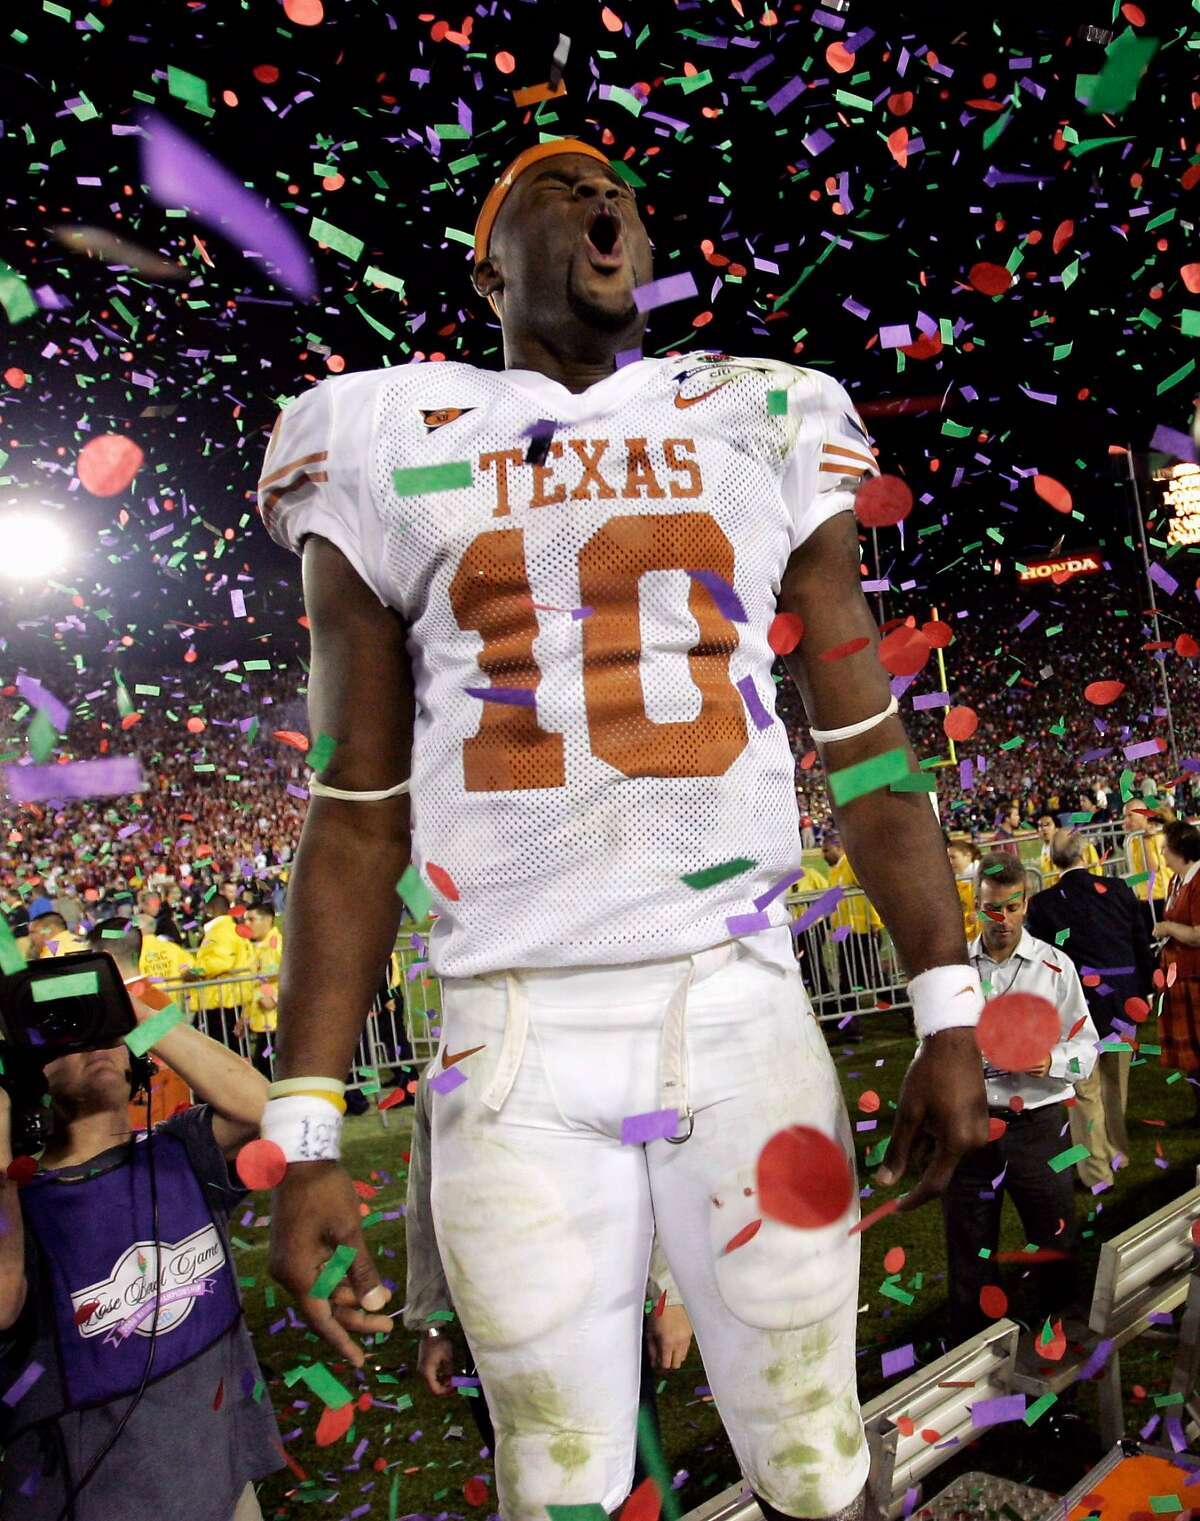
{"points": [[490, 596]]}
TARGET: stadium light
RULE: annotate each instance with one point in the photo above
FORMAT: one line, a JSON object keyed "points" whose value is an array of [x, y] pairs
{"points": [[31, 546]]}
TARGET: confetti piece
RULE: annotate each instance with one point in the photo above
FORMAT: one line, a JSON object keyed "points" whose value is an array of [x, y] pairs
{"points": [[727, 601], [442, 881], [1052, 492], [181, 174], [841, 651], [637, 1129], [417, 897], [989, 279], [960, 723], [996, 1411], [803, 1179], [868, 776], [747, 1233], [663, 292], [333, 1272], [754, 706], [709, 876], [993, 1301], [261, 1164], [904, 651], [898, 1361], [1069, 1158], [107, 464], [1016, 1031], [447, 1082], [882, 501], [150, 1031], [513, 697], [24, 1382], [334, 1424], [786, 632], [422, 479], [75, 985]]}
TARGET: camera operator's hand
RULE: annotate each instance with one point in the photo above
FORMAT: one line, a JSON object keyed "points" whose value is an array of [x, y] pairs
{"points": [[6, 1155], [314, 1210]]}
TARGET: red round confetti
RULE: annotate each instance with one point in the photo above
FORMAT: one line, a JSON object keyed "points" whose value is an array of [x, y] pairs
{"points": [[901, 103], [334, 1424], [1186, 647], [1063, 234], [612, 22], [960, 723], [839, 59], [1190, 275], [803, 1178], [1136, 1009], [1134, 14], [15, 376], [904, 651], [989, 279], [304, 12], [505, 63], [1017, 1030], [869, 1101], [644, 1504], [996, 1127], [442, 880], [927, 346], [475, 1492], [938, 632], [195, 726], [893, 1260], [243, 930], [21, 1169], [1196, 1232], [993, 1301], [882, 501], [265, 73], [1103, 692], [261, 1164], [1052, 492], [108, 463], [785, 633]]}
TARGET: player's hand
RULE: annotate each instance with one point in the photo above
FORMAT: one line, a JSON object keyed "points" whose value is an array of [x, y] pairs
{"points": [[435, 1364], [1163, 930], [669, 1337], [315, 1210], [943, 1107]]}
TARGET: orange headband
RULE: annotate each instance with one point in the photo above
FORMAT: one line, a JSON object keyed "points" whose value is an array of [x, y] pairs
{"points": [[490, 209]]}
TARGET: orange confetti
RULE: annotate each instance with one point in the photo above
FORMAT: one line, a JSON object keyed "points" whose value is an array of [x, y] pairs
{"points": [[785, 633], [108, 463], [505, 63], [904, 651], [290, 737], [898, 146], [869, 1101], [1190, 275], [1052, 492], [261, 1164], [612, 22], [893, 1260], [1103, 692], [304, 12], [838, 58], [334, 1424], [960, 723]]}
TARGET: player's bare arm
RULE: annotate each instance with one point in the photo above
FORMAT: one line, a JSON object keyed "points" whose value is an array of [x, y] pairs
{"points": [[893, 840], [360, 694]]}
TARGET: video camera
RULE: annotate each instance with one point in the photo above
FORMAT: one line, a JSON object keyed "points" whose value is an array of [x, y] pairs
{"points": [[49, 1009]]}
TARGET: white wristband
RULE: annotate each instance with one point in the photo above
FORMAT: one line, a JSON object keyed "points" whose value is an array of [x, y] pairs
{"points": [[945, 998], [305, 1129]]}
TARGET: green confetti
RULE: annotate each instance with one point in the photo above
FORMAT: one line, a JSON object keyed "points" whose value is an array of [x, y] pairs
{"points": [[1039, 1407], [15, 296], [329, 1390], [333, 237], [419, 479], [1068, 1158], [188, 88], [709, 876], [1165, 1504], [869, 775], [417, 897], [74, 985], [333, 1272], [12, 958], [1125, 61], [577, 1513], [140, 1039], [777, 403], [321, 752], [42, 736]]}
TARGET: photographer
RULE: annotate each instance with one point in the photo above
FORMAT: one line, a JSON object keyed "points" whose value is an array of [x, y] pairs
{"points": [[104, 1336]]}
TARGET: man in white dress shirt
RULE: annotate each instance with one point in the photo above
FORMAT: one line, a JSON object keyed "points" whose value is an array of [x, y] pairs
{"points": [[1028, 1105]]}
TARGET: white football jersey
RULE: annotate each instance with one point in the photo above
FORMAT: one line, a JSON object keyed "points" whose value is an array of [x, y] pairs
{"points": [[588, 634]]}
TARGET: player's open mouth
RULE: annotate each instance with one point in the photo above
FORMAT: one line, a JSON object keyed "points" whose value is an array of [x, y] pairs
{"points": [[602, 241]]}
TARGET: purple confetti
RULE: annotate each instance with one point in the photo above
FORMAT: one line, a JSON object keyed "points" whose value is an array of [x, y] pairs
{"points": [[1171, 441], [662, 292], [515, 697], [784, 96], [237, 600], [179, 173], [1005, 1407], [931, 700], [818, 909], [79, 779], [729, 604], [448, 1081], [747, 924], [1163, 578], [1143, 749], [899, 1360], [37, 696], [762, 719], [657, 1125]]}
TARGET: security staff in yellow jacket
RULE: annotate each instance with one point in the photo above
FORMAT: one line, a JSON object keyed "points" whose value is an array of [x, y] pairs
{"points": [[260, 1014], [224, 953]]}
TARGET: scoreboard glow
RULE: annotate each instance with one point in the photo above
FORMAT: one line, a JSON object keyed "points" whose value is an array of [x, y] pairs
{"points": [[1179, 486]]}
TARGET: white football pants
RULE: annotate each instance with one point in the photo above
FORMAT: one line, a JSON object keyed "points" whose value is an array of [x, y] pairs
{"points": [[544, 1219]]}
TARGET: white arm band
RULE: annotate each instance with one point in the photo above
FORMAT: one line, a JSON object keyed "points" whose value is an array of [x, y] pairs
{"points": [[945, 998], [305, 1129], [852, 731], [319, 789]]}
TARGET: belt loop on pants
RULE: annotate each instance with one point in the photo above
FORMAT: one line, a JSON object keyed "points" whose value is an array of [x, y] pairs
{"points": [[673, 1067], [512, 1049]]}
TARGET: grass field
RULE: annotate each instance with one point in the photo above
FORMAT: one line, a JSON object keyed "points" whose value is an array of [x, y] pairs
{"points": [[411, 1453]]}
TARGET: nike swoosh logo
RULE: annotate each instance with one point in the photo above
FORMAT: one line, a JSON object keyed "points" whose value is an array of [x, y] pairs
{"points": [[690, 401], [448, 1060]]}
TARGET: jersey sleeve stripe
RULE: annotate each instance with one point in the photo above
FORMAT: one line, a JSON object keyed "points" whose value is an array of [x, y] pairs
{"points": [[845, 469], [845, 453], [272, 499], [305, 459]]}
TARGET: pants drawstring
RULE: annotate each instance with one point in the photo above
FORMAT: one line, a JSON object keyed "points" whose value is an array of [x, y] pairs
{"points": [[673, 1063], [512, 1049]]}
